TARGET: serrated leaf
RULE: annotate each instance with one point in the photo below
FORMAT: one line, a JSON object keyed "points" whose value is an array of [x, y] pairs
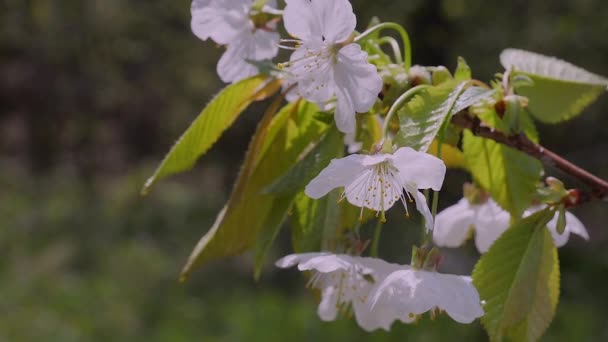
{"points": [[309, 165], [274, 149], [422, 118], [560, 90], [510, 176], [206, 129], [518, 278]]}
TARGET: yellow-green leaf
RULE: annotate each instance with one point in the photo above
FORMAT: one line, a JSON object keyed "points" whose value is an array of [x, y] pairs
{"points": [[518, 280], [206, 129], [560, 90], [275, 148], [510, 176]]}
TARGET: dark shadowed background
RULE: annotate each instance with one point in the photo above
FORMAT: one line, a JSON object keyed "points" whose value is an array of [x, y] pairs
{"points": [[93, 93]]}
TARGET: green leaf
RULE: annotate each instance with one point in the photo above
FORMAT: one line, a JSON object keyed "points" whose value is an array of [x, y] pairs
{"points": [[310, 164], [463, 71], [206, 129], [560, 91], [510, 176], [274, 149], [269, 230], [314, 223], [518, 278], [422, 118]]}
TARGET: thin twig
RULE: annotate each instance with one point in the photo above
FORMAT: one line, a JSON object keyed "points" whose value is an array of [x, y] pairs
{"points": [[598, 186]]}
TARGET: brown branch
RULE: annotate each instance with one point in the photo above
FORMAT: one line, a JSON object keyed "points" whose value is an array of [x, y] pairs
{"points": [[598, 186]]}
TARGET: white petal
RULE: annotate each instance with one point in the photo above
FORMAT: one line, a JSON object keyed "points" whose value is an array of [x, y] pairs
{"points": [[453, 224], [312, 68], [376, 188], [357, 78], [423, 208], [413, 292], [294, 259], [220, 20], [327, 263], [328, 307], [336, 19], [491, 221], [300, 20], [457, 296], [345, 112], [265, 45], [233, 65], [339, 172], [419, 168], [573, 225]]}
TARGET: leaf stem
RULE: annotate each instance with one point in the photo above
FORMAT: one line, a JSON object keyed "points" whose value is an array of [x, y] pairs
{"points": [[599, 187], [405, 38], [398, 104], [394, 46]]}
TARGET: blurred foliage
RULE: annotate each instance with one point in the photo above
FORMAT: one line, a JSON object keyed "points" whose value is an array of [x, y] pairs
{"points": [[93, 94]]}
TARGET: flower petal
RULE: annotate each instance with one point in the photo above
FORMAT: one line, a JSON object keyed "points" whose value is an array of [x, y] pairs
{"points": [[311, 67], [265, 45], [414, 292], [423, 208], [345, 112], [419, 168], [490, 222], [339, 172], [573, 225], [294, 259], [456, 295], [232, 67], [220, 20], [301, 21], [358, 78], [336, 19], [453, 224]]}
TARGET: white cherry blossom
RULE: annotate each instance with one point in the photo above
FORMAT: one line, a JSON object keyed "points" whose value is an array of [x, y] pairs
{"points": [[407, 293], [325, 64], [378, 181], [489, 221], [228, 22], [344, 281], [454, 224], [573, 225]]}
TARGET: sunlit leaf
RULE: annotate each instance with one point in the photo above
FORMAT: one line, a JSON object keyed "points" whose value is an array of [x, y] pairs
{"points": [[310, 164], [518, 280], [274, 149], [560, 91], [206, 129], [422, 118], [510, 176]]}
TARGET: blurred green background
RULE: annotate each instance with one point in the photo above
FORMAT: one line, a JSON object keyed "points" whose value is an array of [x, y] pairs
{"points": [[93, 93]]}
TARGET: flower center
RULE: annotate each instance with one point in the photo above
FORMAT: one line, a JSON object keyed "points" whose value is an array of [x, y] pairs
{"points": [[378, 188]]}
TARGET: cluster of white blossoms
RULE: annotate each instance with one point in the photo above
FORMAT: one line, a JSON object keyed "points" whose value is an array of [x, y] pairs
{"points": [[330, 70], [325, 68], [381, 293], [489, 221]]}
